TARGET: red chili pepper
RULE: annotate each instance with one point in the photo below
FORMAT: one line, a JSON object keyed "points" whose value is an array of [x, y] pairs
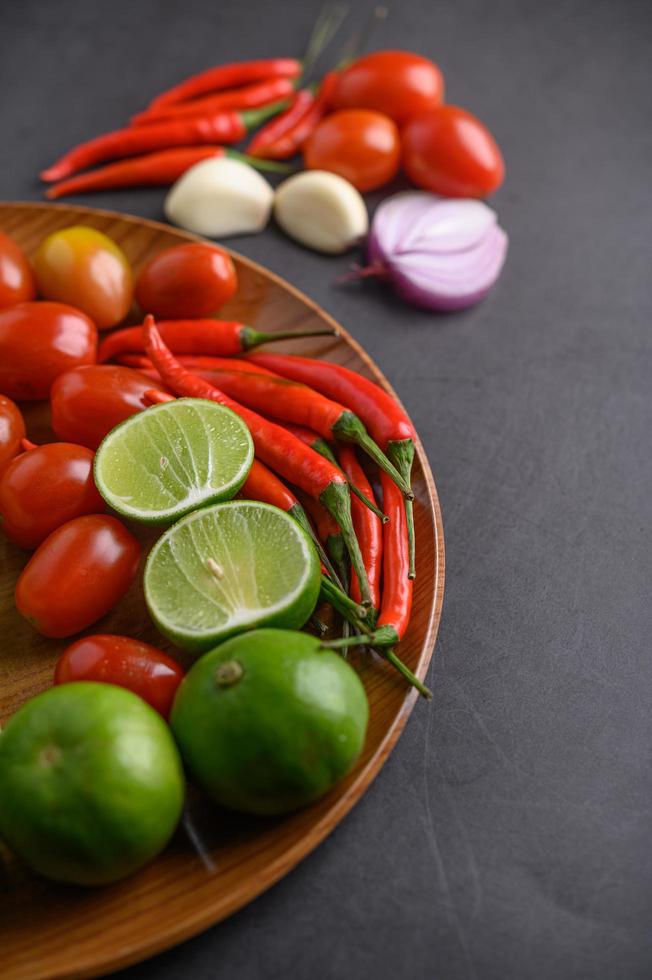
{"points": [[279, 142], [228, 76], [293, 402], [368, 528], [153, 169], [328, 532], [214, 337], [227, 126], [386, 421], [276, 447], [249, 97], [308, 436]]}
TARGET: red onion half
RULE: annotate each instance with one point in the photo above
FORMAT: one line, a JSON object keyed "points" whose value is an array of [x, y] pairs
{"points": [[437, 253]]}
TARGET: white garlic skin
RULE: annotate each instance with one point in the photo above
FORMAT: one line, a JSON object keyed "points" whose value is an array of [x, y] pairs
{"points": [[321, 210], [220, 197]]}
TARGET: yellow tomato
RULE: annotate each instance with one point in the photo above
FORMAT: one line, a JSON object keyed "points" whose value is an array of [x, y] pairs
{"points": [[84, 268]]}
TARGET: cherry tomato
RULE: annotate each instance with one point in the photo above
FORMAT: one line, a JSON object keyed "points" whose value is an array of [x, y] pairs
{"points": [[139, 667], [17, 283], [186, 281], [398, 83], [38, 342], [45, 487], [450, 152], [77, 575], [359, 145], [90, 401], [85, 268], [12, 430]]}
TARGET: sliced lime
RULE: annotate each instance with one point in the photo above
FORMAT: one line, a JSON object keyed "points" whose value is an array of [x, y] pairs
{"points": [[229, 568], [173, 458]]}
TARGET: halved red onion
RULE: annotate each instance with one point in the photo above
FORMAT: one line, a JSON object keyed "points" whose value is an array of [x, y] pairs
{"points": [[438, 253]]}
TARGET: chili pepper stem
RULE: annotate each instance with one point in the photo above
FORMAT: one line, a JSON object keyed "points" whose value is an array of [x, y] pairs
{"points": [[350, 428], [340, 601], [274, 166], [384, 636], [300, 516], [401, 453], [252, 118], [252, 338], [337, 502], [405, 671], [321, 446]]}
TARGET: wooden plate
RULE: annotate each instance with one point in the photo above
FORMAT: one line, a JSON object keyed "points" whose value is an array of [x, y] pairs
{"points": [[217, 862]]}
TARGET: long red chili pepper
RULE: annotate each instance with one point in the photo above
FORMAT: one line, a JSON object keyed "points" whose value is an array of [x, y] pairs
{"points": [[273, 133], [396, 600], [285, 140], [368, 528], [153, 169], [217, 337], [228, 76], [384, 418], [294, 402], [328, 531], [248, 97], [275, 446], [202, 364], [227, 126]]}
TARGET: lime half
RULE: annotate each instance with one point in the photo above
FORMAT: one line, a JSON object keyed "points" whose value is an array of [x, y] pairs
{"points": [[173, 458], [229, 568]]}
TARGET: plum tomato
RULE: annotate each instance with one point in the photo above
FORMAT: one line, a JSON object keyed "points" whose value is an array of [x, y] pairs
{"points": [[186, 281], [77, 575], [38, 342], [12, 430], [360, 145], [45, 487], [17, 283], [450, 152], [85, 268], [90, 401], [399, 83], [120, 660]]}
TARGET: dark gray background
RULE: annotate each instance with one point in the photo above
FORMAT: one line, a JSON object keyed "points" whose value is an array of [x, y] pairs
{"points": [[509, 834]]}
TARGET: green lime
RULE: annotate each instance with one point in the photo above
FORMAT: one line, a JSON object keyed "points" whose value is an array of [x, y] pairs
{"points": [[269, 721], [160, 464], [228, 568], [91, 783]]}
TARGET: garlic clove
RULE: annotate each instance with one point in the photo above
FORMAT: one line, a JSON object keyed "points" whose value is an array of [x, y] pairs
{"points": [[220, 197], [321, 210]]}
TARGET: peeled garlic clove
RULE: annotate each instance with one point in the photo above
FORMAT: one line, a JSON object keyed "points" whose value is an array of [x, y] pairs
{"points": [[220, 197], [321, 210]]}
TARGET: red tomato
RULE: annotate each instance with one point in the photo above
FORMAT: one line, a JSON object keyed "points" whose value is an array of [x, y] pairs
{"points": [[12, 430], [398, 83], [77, 575], [90, 401], [85, 268], [44, 488], [140, 668], [17, 283], [359, 145], [450, 152], [186, 281], [38, 342]]}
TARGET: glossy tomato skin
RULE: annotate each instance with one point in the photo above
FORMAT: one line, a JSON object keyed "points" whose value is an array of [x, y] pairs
{"points": [[77, 575], [12, 430], [450, 152], [90, 401], [85, 268], [38, 342], [186, 281], [360, 145], [45, 487], [17, 283], [398, 83], [120, 660]]}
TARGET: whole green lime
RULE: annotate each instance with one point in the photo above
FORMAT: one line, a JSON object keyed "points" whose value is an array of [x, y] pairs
{"points": [[91, 783], [269, 721]]}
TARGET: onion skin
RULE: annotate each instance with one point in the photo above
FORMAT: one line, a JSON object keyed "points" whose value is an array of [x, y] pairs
{"points": [[437, 254]]}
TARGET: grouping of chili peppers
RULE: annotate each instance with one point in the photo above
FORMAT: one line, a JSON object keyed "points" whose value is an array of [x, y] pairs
{"points": [[308, 420]]}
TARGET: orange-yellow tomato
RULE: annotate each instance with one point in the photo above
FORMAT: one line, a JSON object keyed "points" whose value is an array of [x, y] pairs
{"points": [[360, 145], [85, 268]]}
